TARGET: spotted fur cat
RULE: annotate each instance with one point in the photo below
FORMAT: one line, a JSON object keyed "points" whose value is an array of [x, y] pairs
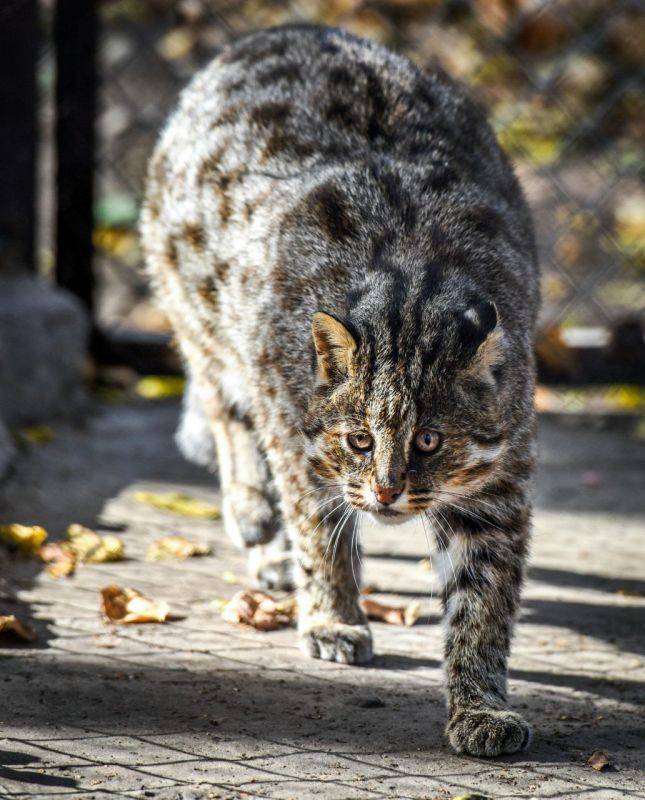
{"points": [[348, 264]]}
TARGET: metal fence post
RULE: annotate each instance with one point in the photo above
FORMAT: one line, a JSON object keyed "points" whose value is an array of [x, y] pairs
{"points": [[75, 35], [18, 133]]}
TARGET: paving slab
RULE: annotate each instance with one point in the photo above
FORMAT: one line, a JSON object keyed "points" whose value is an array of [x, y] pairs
{"points": [[200, 709]]}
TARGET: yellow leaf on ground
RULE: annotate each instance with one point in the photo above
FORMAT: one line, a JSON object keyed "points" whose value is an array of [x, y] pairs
{"points": [[176, 547], [125, 606], [90, 548], [28, 538], [160, 387], [257, 609], [12, 625], [179, 504]]}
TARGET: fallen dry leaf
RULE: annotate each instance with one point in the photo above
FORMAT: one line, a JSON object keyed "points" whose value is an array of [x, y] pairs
{"points": [[394, 615], [259, 610], [90, 548], [630, 592], [471, 796], [179, 504], [37, 434], [11, 625], [28, 538], [599, 761], [176, 547], [288, 606], [126, 606], [60, 560], [265, 613]]}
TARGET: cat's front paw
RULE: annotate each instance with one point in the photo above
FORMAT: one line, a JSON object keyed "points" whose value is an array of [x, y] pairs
{"points": [[488, 732], [347, 644]]}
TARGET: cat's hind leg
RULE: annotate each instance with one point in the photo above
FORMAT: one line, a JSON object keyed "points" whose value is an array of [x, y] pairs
{"points": [[249, 504], [214, 435], [271, 565], [194, 436], [249, 511]]}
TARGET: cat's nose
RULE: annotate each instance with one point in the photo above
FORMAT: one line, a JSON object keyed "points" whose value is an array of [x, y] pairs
{"points": [[386, 495]]}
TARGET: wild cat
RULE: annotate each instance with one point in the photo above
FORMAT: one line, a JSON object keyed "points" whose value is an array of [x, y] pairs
{"points": [[348, 264]]}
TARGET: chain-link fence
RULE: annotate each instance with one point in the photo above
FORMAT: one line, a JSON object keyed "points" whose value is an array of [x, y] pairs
{"points": [[561, 81]]}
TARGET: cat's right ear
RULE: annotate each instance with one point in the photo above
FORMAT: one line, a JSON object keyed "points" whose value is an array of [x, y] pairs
{"points": [[335, 348]]}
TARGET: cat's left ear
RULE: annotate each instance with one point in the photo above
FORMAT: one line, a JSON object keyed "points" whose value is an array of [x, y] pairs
{"points": [[335, 348], [481, 335]]}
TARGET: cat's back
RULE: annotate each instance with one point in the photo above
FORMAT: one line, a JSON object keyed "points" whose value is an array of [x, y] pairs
{"points": [[284, 100]]}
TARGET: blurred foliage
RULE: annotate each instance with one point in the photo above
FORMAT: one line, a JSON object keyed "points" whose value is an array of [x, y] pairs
{"points": [[160, 387], [619, 399]]}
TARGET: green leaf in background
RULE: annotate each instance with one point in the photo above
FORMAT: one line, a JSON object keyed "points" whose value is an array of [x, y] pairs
{"points": [[116, 211]]}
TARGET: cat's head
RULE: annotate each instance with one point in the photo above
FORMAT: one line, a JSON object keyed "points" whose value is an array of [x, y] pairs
{"points": [[406, 412]]}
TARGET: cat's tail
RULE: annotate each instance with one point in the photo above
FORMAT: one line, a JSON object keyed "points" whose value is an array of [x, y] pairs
{"points": [[194, 436]]}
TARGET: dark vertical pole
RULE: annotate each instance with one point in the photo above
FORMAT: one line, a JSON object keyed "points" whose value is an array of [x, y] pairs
{"points": [[18, 132], [75, 34]]}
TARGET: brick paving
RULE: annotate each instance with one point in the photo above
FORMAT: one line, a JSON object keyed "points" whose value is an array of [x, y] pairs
{"points": [[199, 709]]}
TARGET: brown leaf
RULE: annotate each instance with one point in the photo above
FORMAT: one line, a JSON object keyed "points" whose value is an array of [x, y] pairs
{"points": [[394, 615], [599, 761], [126, 606], [542, 33], [176, 547], [259, 610], [60, 559], [11, 625], [554, 353]]}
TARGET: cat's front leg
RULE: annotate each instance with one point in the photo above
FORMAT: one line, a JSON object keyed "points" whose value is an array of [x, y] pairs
{"points": [[321, 525], [332, 625], [482, 596]]}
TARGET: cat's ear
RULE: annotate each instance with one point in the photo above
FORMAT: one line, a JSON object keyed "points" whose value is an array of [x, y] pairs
{"points": [[335, 347], [481, 335]]}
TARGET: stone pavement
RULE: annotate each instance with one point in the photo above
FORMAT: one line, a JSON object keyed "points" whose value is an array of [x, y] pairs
{"points": [[199, 709]]}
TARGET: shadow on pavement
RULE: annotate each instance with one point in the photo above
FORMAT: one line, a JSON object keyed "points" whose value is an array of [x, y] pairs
{"points": [[286, 706]]}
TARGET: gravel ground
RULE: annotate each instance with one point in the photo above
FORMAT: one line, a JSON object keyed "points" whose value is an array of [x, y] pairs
{"points": [[199, 709]]}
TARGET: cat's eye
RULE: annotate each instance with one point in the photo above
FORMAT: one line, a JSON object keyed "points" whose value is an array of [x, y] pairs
{"points": [[427, 441], [361, 441]]}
